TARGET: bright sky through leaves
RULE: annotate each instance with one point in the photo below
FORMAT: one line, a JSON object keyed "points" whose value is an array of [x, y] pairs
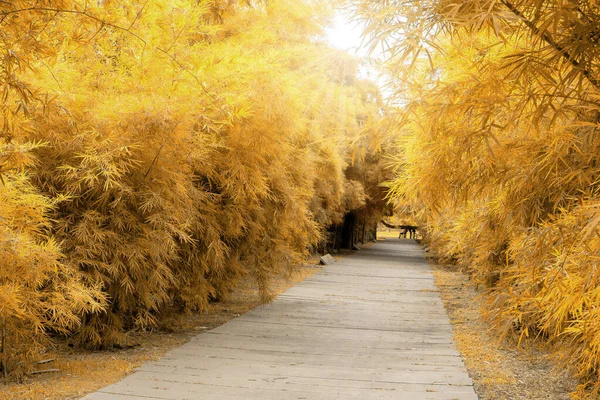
{"points": [[346, 35]]}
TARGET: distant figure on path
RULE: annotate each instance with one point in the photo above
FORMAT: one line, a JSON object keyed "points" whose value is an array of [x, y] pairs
{"points": [[411, 230], [408, 229]]}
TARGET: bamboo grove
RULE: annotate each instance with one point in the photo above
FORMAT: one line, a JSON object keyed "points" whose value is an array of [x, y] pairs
{"points": [[153, 153], [498, 156]]}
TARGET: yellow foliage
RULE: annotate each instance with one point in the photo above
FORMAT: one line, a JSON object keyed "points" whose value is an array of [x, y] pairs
{"points": [[152, 154], [498, 155]]}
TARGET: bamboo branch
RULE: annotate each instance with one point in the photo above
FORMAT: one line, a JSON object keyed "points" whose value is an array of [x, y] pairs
{"points": [[84, 13], [43, 371], [154, 160], [548, 39], [391, 226], [186, 69]]}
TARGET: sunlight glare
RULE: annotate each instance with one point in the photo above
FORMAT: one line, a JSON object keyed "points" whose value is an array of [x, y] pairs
{"points": [[346, 35]]}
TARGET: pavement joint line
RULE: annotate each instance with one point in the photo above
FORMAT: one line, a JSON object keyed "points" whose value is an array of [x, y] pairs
{"points": [[329, 379], [328, 327], [132, 395], [456, 355]]}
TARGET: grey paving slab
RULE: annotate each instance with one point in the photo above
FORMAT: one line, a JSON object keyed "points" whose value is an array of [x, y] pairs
{"points": [[370, 326]]}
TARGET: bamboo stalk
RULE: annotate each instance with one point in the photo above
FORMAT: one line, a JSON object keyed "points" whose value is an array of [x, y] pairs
{"points": [[3, 349]]}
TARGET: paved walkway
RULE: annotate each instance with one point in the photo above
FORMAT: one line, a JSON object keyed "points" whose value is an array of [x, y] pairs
{"points": [[371, 326]]}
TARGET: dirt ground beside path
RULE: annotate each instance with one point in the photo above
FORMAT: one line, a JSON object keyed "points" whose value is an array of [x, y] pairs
{"points": [[499, 371]]}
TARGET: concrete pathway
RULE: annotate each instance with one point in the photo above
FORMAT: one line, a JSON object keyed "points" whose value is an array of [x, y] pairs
{"points": [[371, 326]]}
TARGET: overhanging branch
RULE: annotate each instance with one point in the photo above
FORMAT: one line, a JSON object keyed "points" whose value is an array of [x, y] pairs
{"points": [[398, 226], [546, 37]]}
